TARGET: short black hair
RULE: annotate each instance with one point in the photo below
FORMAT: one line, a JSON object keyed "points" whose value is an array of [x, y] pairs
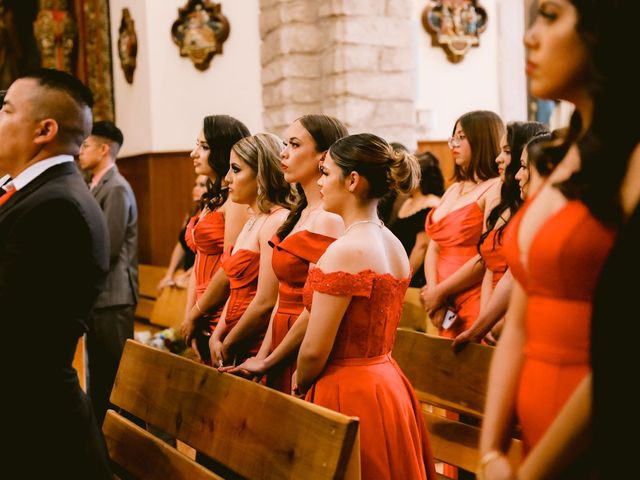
{"points": [[108, 130], [63, 81]]}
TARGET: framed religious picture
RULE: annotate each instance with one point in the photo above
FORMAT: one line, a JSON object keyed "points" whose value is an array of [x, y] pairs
{"points": [[56, 33], [200, 31], [454, 25], [127, 45]]}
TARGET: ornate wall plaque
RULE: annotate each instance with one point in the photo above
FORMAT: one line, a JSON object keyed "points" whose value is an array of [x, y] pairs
{"points": [[127, 45], [200, 31], [455, 25], [56, 34]]}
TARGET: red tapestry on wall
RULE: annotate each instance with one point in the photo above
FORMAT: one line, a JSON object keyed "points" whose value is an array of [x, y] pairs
{"points": [[70, 35]]}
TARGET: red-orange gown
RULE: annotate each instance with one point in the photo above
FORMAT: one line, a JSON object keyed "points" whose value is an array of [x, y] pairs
{"points": [[493, 256], [562, 267], [205, 236], [457, 234], [242, 269], [290, 261], [361, 379]]}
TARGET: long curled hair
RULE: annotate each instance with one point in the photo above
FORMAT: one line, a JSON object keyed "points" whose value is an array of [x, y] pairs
{"points": [[324, 131], [374, 159], [483, 130], [262, 153], [221, 132], [518, 134], [607, 143]]}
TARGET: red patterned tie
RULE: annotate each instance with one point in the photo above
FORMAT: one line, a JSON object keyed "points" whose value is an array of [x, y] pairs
{"points": [[10, 189]]}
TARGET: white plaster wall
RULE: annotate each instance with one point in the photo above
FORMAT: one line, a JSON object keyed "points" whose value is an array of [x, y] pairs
{"points": [[132, 102], [163, 109], [490, 77]]}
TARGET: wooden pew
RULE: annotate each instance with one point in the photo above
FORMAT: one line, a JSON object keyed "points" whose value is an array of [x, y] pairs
{"points": [[148, 278], [455, 381], [165, 310], [413, 315], [250, 431]]}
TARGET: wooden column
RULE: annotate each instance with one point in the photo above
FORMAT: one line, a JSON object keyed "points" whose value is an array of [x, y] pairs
{"points": [[162, 183], [441, 150]]}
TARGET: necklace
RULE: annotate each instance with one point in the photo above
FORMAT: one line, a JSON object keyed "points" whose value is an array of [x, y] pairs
{"points": [[378, 223], [251, 222], [464, 184]]}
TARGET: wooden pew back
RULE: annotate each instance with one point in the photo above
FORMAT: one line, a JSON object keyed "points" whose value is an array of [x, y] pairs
{"points": [[244, 427], [455, 381], [166, 309], [148, 278]]}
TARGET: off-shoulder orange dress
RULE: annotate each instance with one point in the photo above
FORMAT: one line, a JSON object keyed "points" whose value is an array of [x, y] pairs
{"points": [[242, 267], [205, 236], [457, 234], [362, 380], [559, 277], [290, 261]]}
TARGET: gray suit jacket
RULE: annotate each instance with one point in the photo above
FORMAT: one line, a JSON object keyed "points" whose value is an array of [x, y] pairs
{"points": [[115, 196]]}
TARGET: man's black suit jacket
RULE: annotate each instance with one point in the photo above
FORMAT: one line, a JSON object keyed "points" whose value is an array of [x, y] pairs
{"points": [[53, 262]]}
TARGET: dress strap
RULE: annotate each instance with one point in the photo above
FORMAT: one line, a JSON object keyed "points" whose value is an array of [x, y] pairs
{"points": [[485, 190]]}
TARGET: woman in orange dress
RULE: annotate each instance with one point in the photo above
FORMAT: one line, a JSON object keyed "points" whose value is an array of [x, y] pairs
{"points": [[299, 243], [558, 242], [355, 297], [254, 180], [218, 223], [182, 255], [493, 307], [452, 269]]}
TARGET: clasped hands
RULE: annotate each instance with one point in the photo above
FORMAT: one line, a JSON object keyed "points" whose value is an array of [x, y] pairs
{"points": [[434, 303]]}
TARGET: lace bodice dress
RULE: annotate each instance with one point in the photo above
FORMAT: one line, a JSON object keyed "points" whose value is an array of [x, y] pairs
{"points": [[361, 379]]}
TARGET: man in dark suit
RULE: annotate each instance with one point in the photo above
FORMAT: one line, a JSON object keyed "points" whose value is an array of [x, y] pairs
{"points": [[111, 321], [53, 262]]}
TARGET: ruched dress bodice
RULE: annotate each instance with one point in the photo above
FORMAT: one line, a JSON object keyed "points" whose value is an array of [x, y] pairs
{"points": [[290, 261], [205, 236], [457, 234], [242, 268], [492, 255], [559, 276]]}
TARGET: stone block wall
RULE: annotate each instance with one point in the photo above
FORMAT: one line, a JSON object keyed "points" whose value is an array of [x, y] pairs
{"points": [[353, 59]]}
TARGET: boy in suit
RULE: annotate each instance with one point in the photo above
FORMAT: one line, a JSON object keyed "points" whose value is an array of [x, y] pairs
{"points": [[111, 321]]}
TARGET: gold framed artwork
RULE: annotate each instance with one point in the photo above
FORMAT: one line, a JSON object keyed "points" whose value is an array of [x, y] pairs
{"points": [[200, 31], [127, 45], [454, 25]]}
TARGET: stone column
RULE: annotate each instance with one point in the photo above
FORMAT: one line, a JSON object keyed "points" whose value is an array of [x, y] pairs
{"points": [[353, 59], [291, 73]]}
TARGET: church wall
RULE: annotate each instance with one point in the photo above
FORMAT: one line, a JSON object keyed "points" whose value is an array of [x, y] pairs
{"points": [[163, 109], [490, 77]]}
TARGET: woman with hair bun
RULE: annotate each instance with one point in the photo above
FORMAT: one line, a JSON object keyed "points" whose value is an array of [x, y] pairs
{"points": [[355, 296]]}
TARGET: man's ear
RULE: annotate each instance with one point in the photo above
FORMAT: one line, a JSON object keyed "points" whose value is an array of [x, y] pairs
{"points": [[47, 131], [105, 149]]}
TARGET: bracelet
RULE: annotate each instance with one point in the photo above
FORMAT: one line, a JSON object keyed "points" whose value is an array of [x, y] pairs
{"points": [[199, 309], [487, 458]]}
